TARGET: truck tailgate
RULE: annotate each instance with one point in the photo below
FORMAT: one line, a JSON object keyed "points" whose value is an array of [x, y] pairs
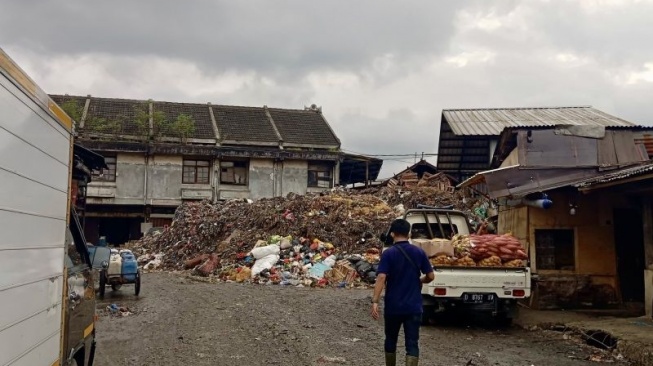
{"points": [[454, 282]]}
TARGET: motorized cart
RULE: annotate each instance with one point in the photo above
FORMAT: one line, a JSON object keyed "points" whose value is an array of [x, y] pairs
{"points": [[122, 269]]}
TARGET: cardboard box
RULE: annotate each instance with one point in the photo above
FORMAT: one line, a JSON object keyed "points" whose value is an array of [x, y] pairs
{"points": [[435, 247]]}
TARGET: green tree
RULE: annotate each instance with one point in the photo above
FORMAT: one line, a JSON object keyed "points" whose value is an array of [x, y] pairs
{"points": [[73, 109], [94, 124], [142, 120], [183, 126], [160, 124], [102, 125]]}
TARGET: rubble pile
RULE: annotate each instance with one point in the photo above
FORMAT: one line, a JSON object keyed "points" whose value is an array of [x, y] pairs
{"points": [[411, 179], [208, 238], [316, 239]]}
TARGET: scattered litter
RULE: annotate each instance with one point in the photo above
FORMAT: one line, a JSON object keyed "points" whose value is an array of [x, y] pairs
{"points": [[325, 359], [116, 310]]}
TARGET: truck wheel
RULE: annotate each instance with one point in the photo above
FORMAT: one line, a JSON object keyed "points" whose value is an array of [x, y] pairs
{"points": [[103, 284], [503, 321], [428, 315], [137, 286], [116, 287]]}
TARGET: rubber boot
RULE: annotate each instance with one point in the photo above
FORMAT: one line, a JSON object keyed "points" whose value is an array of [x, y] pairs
{"points": [[412, 360], [390, 359]]}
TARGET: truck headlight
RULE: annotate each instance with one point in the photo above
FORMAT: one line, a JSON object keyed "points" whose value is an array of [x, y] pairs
{"points": [[105, 264]]}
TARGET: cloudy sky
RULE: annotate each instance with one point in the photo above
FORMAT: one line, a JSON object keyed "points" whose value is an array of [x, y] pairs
{"points": [[382, 70]]}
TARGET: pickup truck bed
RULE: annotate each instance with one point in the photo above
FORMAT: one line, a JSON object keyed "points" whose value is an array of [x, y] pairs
{"points": [[460, 286]]}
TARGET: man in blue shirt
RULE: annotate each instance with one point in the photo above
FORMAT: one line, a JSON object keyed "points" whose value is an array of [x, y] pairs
{"points": [[400, 272]]}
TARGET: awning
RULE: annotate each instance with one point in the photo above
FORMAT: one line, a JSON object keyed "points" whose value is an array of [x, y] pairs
{"points": [[92, 160], [515, 181], [617, 177], [359, 169]]}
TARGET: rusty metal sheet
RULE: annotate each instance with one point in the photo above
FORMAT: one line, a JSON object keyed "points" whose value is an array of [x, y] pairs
{"points": [[595, 132], [518, 182], [607, 154], [625, 148], [547, 149]]}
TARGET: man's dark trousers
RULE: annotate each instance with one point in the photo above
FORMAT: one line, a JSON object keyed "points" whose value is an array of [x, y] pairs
{"points": [[411, 323]]}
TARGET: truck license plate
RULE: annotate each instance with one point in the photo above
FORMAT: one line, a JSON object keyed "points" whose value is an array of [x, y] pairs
{"points": [[478, 298]]}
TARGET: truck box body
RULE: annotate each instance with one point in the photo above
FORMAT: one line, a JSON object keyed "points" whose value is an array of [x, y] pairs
{"points": [[34, 175]]}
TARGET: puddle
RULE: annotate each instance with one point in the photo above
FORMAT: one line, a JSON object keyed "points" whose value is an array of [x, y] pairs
{"points": [[600, 339]]}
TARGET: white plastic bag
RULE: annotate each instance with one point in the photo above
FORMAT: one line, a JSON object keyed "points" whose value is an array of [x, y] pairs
{"points": [[262, 252], [330, 261], [285, 243], [264, 263]]}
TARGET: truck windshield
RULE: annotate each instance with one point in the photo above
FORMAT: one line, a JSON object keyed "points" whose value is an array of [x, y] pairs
{"points": [[421, 231]]}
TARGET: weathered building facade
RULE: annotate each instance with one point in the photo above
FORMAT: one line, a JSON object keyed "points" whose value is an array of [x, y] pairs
{"points": [[594, 245], [160, 154]]}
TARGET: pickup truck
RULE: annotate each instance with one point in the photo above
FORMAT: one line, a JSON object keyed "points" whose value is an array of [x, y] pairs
{"points": [[487, 290]]}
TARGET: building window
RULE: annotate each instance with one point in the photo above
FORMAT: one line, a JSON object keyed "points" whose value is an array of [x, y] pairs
{"points": [[196, 171], [106, 175], [555, 249], [319, 176], [234, 172]]}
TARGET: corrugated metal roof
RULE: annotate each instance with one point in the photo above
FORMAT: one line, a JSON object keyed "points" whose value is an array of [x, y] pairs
{"points": [[616, 175], [491, 121]]}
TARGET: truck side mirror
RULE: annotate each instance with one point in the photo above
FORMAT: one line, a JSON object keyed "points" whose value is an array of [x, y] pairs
{"points": [[99, 257], [386, 239]]}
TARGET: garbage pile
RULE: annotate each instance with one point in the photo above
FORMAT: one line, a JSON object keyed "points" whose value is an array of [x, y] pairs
{"points": [[331, 238], [226, 237], [478, 208], [300, 262]]}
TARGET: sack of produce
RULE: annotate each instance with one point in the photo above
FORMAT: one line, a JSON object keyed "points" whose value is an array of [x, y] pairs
{"points": [[492, 261], [462, 245], [506, 247], [517, 263], [465, 262], [442, 260]]}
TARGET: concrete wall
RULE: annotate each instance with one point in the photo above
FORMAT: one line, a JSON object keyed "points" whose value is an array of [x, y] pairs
{"points": [[130, 176], [261, 178], [164, 179], [295, 177]]}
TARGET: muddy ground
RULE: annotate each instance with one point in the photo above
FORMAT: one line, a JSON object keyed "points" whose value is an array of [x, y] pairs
{"points": [[178, 321]]}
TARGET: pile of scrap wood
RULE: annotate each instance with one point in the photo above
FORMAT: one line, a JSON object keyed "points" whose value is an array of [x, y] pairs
{"points": [[409, 179]]}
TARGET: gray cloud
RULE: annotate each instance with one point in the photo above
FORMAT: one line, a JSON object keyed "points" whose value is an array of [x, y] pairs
{"points": [[382, 70], [287, 37]]}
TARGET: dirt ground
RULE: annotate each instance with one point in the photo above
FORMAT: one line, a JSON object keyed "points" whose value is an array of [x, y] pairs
{"points": [[178, 321]]}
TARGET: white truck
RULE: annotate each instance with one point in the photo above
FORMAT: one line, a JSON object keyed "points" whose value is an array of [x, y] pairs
{"points": [[491, 290], [46, 272]]}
